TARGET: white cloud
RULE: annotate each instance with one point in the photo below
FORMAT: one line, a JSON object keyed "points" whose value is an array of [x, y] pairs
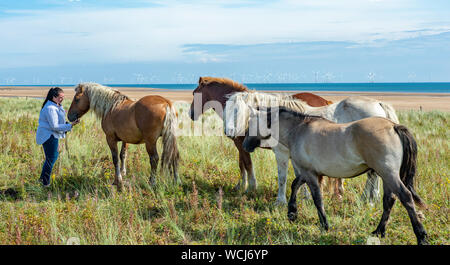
{"points": [[158, 33]]}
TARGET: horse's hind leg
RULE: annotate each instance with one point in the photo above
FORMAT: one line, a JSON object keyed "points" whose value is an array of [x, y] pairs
{"points": [[406, 199], [152, 151], [371, 190], [388, 202], [314, 187], [338, 188], [123, 158], [394, 184], [112, 143]]}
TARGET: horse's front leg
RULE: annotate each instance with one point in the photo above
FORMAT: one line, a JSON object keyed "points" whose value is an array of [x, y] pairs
{"points": [[242, 184], [282, 157], [292, 205], [252, 183], [112, 143], [245, 166], [123, 158]]}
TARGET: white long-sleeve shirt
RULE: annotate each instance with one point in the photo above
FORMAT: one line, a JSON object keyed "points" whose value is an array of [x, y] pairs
{"points": [[52, 121]]}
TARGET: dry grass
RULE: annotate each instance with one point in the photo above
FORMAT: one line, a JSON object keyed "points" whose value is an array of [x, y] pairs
{"points": [[204, 209]]}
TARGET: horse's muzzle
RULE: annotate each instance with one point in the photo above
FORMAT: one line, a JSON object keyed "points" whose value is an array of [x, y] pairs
{"points": [[72, 117], [250, 144], [192, 116]]}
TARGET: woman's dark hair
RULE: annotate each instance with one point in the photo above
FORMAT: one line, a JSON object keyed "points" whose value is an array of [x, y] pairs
{"points": [[53, 92]]}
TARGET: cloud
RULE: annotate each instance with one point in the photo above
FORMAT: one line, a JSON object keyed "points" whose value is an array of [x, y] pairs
{"points": [[163, 31]]}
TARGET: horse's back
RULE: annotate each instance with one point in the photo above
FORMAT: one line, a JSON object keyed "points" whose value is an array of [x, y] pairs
{"points": [[150, 112], [324, 147], [312, 99], [356, 108], [377, 140]]}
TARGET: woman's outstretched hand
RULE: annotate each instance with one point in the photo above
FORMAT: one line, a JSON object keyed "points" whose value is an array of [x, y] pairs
{"points": [[75, 122]]}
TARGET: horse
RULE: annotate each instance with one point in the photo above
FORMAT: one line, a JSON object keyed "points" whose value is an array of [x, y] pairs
{"points": [[213, 92], [131, 122], [350, 109], [318, 146]]}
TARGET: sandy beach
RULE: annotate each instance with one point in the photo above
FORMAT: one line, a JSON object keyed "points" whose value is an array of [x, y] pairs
{"points": [[401, 101]]}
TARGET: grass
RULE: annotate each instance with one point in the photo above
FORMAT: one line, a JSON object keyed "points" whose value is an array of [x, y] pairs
{"points": [[204, 209]]}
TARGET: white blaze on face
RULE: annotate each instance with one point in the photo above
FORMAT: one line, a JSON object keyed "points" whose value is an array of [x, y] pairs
{"points": [[236, 118]]}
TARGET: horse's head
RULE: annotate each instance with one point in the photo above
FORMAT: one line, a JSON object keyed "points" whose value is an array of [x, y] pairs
{"points": [[201, 95], [261, 129], [212, 93], [80, 103]]}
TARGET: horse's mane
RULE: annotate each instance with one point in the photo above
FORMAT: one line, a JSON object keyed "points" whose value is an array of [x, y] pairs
{"points": [[255, 99], [102, 99], [302, 117], [238, 104], [224, 82]]}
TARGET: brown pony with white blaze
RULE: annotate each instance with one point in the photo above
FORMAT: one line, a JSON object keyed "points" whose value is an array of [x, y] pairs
{"points": [[321, 147], [136, 122], [213, 92]]}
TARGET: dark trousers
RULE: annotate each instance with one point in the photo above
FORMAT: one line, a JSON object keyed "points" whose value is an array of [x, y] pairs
{"points": [[51, 154]]}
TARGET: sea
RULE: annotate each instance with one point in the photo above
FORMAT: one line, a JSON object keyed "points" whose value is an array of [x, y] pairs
{"points": [[411, 87], [431, 87]]}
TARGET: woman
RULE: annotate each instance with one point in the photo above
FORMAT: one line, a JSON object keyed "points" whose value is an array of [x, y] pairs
{"points": [[52, 126]]}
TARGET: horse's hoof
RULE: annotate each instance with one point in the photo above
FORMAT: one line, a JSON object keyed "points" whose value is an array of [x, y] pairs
{"points": [[338, 197], [152, 181], [250, 190], [423, 240], [378, 233], [292, 216]]}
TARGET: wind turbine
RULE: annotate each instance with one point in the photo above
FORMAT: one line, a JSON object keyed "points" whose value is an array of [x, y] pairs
{"points": [[371, 77]]}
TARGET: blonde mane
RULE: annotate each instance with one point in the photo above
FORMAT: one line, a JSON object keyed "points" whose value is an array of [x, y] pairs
{"points": [[237, 108], [223, 81], [102, 99]]}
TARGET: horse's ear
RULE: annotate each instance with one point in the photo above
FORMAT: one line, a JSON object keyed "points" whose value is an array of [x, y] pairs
{"points": [[201, 80]]}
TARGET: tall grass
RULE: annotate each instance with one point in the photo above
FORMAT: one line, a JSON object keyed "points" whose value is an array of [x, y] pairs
{"points": [[204, 209]]}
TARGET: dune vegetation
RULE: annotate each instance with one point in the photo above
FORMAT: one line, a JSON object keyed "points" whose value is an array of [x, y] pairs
{"points": [[204, 209]]}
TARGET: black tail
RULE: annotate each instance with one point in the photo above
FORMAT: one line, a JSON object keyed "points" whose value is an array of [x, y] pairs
{"points": [[408, 167]]}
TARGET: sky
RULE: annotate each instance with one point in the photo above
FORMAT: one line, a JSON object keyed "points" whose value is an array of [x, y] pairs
{"points": [[250, 41]]}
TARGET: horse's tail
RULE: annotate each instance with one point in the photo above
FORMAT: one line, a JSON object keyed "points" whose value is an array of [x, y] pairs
{"points": [[390, 112], [409, 161], [170, 154]]}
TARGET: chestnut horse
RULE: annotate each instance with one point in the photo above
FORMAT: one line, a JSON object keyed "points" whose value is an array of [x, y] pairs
{"points": [[213, 92], [128, 121]]}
